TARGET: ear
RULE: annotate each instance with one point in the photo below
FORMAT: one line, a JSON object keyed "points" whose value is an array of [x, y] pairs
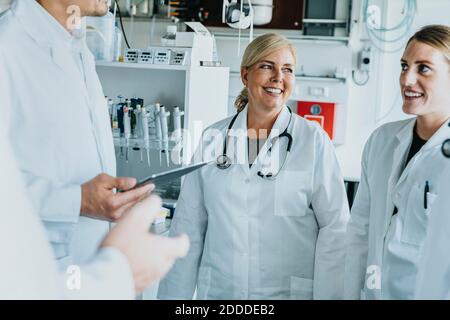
{"points": [[244, 75]]}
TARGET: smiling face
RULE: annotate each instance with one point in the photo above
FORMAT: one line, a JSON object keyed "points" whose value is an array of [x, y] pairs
{"points": [[270, 81], [425, 81]]}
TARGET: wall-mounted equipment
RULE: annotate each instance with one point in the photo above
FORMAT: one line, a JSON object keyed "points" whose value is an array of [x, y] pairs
{"points": [[237, 14], [361, 75], [320, 112], [364, 59], [241, 13], [267, 14]]}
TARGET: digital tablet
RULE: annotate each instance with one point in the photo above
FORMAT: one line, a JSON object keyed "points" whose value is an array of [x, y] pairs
{"points": [[169, 175]]}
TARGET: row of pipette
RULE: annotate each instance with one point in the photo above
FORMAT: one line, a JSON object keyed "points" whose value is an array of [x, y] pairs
{"points": [[135, 126]]}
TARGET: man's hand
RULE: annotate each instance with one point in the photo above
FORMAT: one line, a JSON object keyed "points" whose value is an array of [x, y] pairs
{"points": [[150, 256], [99, 201]]}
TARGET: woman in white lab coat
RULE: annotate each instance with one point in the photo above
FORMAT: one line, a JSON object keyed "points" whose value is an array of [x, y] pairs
{"points": [[401, 166], [264, 222]]}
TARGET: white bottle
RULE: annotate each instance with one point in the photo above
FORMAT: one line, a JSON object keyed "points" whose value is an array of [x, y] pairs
{"points": [[169, 38], [117, 43]]}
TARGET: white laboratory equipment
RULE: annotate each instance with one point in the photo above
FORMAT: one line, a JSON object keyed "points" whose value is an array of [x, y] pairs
{"points": [[198, 105]]}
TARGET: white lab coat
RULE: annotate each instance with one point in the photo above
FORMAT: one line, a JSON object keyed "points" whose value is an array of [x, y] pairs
{"points": [[258, 239], [382, 264], [28, 269], [433, 279], [59, 129]]}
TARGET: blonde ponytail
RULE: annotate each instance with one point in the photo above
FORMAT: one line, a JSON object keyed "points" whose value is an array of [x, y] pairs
{"points": [[241, 100]]}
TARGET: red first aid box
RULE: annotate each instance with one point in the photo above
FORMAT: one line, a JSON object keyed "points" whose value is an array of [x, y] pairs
{"points": [[321, 112]]}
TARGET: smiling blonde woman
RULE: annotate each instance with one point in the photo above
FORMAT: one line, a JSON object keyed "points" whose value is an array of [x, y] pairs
{"points": [[270, 224]]}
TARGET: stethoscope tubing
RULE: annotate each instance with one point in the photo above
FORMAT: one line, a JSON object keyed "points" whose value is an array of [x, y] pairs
{"points": [[224, 162]]}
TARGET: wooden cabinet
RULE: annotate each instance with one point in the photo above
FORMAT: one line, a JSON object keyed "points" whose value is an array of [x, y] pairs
{"points": [[287, 14]]}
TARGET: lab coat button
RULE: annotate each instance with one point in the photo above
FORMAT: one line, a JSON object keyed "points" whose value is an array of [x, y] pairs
{"points": [[397, 195], [247, 181]]}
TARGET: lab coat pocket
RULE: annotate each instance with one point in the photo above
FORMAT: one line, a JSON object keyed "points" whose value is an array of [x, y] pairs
{"points": [[301, 289], [292, 194], [203, 283], [417, 217]]}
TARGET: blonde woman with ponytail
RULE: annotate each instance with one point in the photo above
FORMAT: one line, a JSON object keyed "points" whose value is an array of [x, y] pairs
{"points": [[267, 218]]}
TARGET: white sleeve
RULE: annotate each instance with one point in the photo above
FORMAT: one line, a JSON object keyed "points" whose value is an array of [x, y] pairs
{"points": [[107, 277], [357, 246], [330, 206], [190, 218]]}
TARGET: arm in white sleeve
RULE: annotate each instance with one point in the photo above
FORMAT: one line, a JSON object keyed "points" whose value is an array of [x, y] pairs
{"points": [[108, 277], [330, 207], [357, 237], [190, 218]]}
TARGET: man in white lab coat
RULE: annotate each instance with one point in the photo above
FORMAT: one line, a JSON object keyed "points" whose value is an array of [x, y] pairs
{"points": [[59, 129], [119, 269]]}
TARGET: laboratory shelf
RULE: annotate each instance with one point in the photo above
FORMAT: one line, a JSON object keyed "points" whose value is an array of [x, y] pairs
{"points": [[142, 66], [172, 144], [293, 38], [325, 21], [235, 74]]}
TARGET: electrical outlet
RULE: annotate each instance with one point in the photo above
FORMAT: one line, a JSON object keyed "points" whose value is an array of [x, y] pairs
{"points": [[365, 58]]}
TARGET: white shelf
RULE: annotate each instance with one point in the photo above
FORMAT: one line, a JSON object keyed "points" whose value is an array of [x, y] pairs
{"points": [[141, 66], [304, 78], [325, 21], [293, 39]]}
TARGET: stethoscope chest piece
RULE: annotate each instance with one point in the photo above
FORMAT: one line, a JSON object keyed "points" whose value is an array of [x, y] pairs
{"points": [[446, 148], [223, 162]]}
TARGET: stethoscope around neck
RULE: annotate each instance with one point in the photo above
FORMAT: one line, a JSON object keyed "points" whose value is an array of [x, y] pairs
{"points": [[224, 162]]}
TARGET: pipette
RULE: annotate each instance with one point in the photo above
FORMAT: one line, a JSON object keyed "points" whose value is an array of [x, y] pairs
{"points": [[145, 133], [127, 129], [176, 115], [164, 132], [156, 112]]}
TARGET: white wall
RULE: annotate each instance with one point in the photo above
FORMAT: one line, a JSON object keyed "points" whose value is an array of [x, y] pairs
{"points": [[379, 101]]}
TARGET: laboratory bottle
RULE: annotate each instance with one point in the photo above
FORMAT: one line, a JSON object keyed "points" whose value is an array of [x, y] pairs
{"points": [[169, 38], [117, 43]]}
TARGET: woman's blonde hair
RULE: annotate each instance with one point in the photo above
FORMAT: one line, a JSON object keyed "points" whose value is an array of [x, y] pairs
{"points": [[436, 36], [256, 51]]}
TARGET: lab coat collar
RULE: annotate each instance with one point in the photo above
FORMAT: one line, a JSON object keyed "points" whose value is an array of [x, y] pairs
{"points": [[40, 25], [404, 138], [278, 127], [439, 137]]}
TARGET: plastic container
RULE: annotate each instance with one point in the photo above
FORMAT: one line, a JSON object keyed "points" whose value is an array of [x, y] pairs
{"points": [[117, 43], [169, 38], [100, 34]]}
